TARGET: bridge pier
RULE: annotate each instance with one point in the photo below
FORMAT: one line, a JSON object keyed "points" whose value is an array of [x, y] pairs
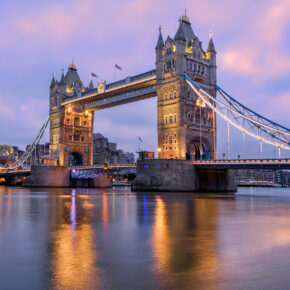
{"points": [[48, 176], [11, 180], [181, 175]]}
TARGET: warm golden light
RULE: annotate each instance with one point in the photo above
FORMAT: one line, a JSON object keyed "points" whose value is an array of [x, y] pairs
{"points": [[86, 112], [159, 149], [69, 109]]}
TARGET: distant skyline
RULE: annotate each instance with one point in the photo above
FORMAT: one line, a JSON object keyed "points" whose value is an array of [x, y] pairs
{"points": [[252, 39]]}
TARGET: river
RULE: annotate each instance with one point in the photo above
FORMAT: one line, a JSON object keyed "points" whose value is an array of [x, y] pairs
{"points": [[116, 239]]}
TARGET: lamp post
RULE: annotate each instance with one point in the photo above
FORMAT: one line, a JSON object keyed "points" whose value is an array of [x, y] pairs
{"points": [[159, 152]]}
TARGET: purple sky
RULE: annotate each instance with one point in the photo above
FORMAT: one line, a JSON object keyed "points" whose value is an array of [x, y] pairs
{"points": [[40, 37]]}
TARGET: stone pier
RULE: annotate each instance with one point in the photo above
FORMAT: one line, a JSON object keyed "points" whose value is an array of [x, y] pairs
{"points": [[181, 175]]}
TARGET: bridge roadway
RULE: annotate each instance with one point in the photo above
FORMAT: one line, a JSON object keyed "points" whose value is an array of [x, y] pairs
{"points": [[130, 89], [274, 164]]}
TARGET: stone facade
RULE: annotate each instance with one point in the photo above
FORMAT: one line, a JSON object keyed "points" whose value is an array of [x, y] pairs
{"points": [[181, 175], [71, 128], [186, 127]]}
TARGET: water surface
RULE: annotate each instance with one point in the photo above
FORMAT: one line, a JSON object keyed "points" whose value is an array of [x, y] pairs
{"points": [[116, 239]]}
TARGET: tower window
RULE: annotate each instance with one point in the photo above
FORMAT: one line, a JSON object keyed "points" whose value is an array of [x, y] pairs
{"points": [[67, 121], [76, 121], [70, 137], [76, 137], [170, 119], [168, 51], [175, 118], [168, 65], [82, 139], [85, 123]]}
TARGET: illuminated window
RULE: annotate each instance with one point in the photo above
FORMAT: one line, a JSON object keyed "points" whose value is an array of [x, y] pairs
{"points": [[76, 137], [67, 121], [76, 121], [170, 119]]}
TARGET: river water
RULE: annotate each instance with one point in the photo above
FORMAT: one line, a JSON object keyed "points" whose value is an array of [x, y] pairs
{"points": [[116, 239]]}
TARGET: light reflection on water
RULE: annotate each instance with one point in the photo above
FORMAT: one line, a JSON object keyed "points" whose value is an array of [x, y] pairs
{"points": [[115, 239]]}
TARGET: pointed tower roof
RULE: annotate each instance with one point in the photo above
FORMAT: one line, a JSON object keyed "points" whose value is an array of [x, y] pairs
{"points": [[160, 42], [184, 31], [53, 82], [91, 85], [211, 47], [62, 80], [72, 76]]}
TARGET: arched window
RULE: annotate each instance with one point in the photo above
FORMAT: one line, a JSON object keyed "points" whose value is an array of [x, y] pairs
{"points": [[175, 118], [67, 121], [170, 119], [76, 121], [76, 137], [165, 96]]}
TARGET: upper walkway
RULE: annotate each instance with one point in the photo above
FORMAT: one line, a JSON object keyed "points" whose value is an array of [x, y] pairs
{"points": [[130, 89]]}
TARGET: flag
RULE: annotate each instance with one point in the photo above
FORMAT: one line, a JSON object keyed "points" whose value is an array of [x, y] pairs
{"points": [[94, 75], [140, 139], [118, 67]]}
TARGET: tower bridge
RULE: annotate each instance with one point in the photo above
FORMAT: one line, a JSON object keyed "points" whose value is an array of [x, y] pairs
{"points": [[185, 83]]}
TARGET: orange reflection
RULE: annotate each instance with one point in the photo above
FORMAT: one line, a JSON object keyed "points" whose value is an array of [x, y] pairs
{"points": [[185, 241], [160, 235], [74, 255], [105, 213]]}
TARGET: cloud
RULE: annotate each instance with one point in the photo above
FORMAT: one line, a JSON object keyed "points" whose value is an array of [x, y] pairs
{"points": [[258, 53]]}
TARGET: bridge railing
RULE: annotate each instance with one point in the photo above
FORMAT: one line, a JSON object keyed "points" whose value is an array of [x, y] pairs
{"points": [[243, 161], [104, 165]]}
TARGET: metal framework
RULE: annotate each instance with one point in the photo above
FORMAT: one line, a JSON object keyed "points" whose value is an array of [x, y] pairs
{"points": [[246, 120], [20, 162]]}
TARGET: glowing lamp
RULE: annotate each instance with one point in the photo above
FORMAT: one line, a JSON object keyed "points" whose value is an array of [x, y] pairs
{"points": [[69, 109]]}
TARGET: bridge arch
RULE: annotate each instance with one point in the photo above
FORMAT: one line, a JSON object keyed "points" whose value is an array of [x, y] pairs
{"points": [[199, 149], [75, 159]]}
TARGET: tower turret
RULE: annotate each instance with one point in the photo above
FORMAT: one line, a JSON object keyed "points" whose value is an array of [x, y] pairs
{"points": [[91, 85], [159, 46]]}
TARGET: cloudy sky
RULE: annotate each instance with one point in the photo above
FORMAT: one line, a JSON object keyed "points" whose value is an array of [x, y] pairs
{"points": [[37, 38]]}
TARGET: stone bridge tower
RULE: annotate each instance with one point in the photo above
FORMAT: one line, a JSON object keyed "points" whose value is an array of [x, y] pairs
{"points": [[186, 127], [71, 128]]}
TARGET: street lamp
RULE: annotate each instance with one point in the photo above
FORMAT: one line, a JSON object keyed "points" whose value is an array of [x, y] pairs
{"points": [[159, 152]]}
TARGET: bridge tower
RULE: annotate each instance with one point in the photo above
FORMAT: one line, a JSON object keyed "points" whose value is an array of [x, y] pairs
{"points": [[186, 127], [71, 128]]}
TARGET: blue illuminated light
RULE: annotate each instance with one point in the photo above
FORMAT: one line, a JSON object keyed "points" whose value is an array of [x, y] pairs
{"points": [[145, 166], [157, 165]]}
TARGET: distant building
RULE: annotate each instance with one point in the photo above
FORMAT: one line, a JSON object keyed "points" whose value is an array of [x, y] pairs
{"points": [[107, 152], [8, 154], [143, 155], [262, 177], [41, 151]]}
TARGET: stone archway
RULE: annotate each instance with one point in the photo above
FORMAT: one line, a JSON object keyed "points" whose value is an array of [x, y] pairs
{"points": [[75, 159], [198, 150]]}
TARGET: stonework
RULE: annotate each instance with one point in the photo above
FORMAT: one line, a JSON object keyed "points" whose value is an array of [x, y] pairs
{"points": [[181, 175], [186, 127], [71, 128]]}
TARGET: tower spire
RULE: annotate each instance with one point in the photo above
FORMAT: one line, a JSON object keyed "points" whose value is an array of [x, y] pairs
{"points": [[211, 47], [53, 80], [160, 42]]}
